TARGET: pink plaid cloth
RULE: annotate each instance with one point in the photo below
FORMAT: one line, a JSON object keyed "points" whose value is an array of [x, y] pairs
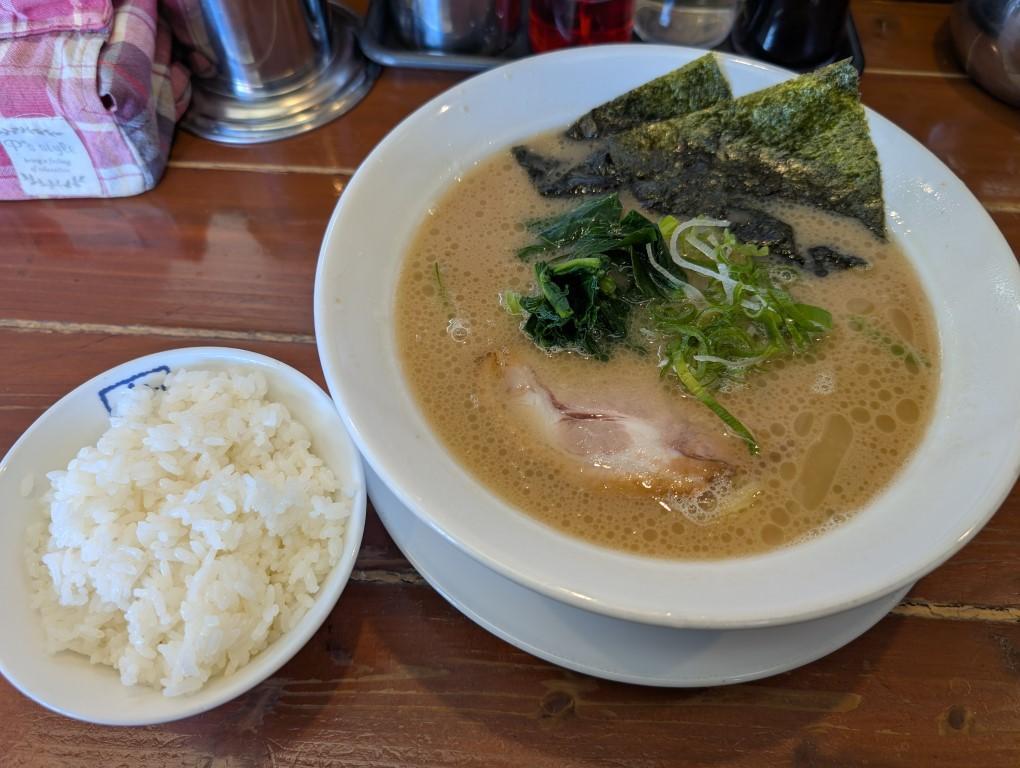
{"points": [[105, 67]]}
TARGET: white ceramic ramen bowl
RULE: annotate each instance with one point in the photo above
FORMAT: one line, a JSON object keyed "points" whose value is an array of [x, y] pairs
{"points": [[67, 683], [967, 463]]}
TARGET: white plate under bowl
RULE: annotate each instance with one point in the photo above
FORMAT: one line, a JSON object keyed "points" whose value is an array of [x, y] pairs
{"points": [[614, 649], [965, 466], [66, 682]]}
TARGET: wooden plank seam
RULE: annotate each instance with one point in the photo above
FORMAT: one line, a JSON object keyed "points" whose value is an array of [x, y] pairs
{"points": [[56, 326], [914, 73], [926, 609], [911, 607], [207, 165]]}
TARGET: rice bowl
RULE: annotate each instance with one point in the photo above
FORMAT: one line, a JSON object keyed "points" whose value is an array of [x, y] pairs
{"points": [[66, 682]]}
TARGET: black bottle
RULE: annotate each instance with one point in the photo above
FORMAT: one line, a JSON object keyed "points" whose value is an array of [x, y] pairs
{"points": [[792, 33]]}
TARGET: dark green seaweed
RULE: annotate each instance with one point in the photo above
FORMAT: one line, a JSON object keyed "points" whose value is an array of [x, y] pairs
{"points": [[757, 227], [695, 86], [761, 229], [822, 259], [805, 140], [539, 167], [748, 224], [592, 176]]}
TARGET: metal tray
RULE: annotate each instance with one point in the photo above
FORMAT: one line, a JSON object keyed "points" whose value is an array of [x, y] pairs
{"points": [[380, 44]]}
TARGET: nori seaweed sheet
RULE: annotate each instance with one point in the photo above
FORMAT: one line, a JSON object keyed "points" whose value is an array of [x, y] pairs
{"points": [[753, 226], [551, 179], [694, 86], [822, 259], [750, 225], [805, 140]]}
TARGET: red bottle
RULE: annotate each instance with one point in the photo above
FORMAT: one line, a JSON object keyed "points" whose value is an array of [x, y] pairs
{"points": [[556, 24]]}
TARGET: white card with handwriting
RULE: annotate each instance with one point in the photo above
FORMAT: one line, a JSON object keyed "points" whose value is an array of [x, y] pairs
{"points": [[48, 157]]}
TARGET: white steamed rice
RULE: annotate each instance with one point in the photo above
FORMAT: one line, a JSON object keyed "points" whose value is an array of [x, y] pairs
{"points": [[194, 533]]}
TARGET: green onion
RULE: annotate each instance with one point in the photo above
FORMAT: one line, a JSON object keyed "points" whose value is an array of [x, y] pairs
{"points": [[694, 385], [716, 311], [444, 295]]}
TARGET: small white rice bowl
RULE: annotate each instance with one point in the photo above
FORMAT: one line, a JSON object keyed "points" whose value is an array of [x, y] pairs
{"points": [[194, 533], [193, 547]]}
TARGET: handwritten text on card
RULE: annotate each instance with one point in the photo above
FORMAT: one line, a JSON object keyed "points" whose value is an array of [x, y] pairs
{"points": [[48, 157]]}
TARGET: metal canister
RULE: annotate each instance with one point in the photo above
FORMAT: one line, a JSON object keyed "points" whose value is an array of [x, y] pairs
{"points": [[266, 69], [457, 26]]}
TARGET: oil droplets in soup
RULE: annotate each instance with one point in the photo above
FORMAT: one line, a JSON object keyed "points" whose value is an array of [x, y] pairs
{"points": [[834, 425]]}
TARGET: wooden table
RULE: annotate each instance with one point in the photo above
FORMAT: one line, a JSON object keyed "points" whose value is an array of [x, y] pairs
{"points": [[223, 251]]}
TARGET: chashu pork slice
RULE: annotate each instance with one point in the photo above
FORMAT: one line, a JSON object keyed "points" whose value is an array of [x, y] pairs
{"points": [[656, 443]]}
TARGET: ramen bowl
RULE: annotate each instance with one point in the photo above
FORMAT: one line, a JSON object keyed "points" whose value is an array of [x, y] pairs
{"points": [[959, 475]]}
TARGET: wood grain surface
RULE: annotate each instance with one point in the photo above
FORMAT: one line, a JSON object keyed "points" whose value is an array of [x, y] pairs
{"points": [[223, 251]]}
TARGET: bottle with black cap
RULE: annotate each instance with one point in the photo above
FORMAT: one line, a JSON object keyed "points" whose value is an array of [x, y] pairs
{"points": [[799, 34]]}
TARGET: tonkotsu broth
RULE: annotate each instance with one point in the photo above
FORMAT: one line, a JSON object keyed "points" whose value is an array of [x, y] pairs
{"points": [[833, 426]]}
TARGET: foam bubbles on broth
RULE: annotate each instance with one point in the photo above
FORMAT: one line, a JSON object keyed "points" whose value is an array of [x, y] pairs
{"points": [[834, 425]]}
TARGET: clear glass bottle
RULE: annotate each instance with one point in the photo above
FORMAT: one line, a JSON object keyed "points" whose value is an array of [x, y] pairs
{"points": [[698, 23]]}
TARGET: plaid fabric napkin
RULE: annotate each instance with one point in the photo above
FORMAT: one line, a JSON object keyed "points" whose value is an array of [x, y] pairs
{"points": [[89, 96]]}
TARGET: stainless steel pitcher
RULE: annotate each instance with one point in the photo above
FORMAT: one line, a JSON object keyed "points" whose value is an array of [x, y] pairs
{"points": [[266, 69]]}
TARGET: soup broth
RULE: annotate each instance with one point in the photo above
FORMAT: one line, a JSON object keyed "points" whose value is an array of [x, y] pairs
{"points": [[834, 425]]}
